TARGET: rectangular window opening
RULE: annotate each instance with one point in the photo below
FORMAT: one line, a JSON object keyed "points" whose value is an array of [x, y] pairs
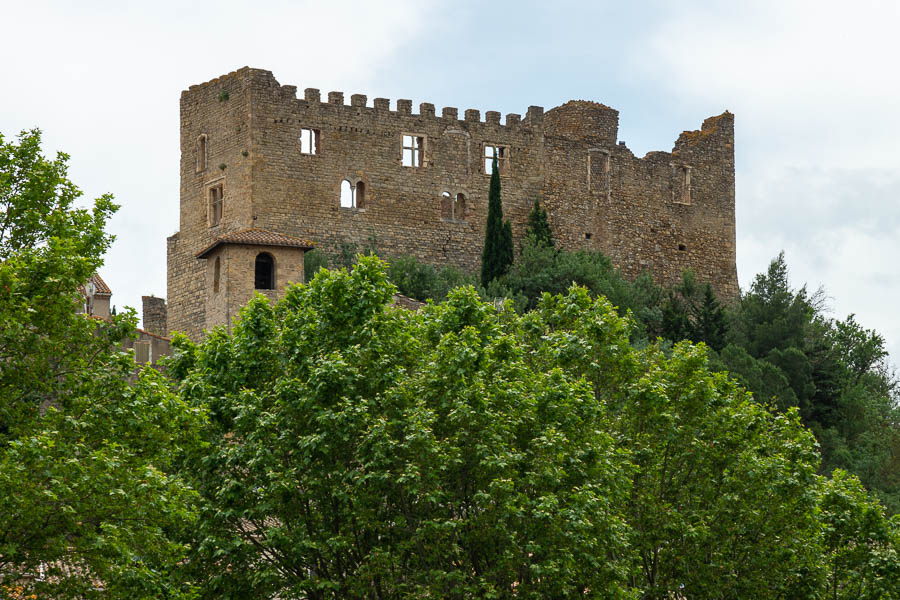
{"points": [[309, 141], [502, 155], [413, 154]]}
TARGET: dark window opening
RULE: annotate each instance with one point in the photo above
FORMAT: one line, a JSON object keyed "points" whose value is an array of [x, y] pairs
{"points": [[217, 271], [682, 247], [360, 195], [459, 208], [265, 272], [587, 236]]}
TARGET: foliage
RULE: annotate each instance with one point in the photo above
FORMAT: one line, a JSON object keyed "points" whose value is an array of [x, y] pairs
{"points": [[538, 227], [423, 281], [313, 260], [692, 312], [363, 451], [784, 348], [86, 460], [541, 268], [861, 545], [356, 450], [723, 500], [497, 255]]}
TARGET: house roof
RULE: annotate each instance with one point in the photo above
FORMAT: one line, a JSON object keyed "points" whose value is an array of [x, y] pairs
{"points": [[100, 287], [256, 237]]}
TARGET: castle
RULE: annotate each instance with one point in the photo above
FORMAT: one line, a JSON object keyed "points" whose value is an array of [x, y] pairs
{"points": [[265, 176]]}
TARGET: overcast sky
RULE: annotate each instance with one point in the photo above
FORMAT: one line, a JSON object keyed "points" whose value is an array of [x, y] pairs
{"points": [[814, 85]]}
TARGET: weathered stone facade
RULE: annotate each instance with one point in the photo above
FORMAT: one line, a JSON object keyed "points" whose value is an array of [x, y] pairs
{"points": [[253, 155]]}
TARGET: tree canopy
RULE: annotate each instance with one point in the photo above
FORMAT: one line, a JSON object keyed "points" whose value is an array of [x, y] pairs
{"points": [[88, 493], [360, 450]]}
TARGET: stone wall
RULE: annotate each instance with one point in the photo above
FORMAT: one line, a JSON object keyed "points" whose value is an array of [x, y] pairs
{"points": [[154, 315], [662, 213], [235, 286]]}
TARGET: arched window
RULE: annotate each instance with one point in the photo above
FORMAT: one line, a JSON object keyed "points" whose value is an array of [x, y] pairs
{"points": [[264, 278], [347, 195], [446, 206], [217, 272], [360, 195], [200, 148], [459, 208]]}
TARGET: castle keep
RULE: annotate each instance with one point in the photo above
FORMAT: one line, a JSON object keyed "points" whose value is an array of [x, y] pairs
{"points": [[266, 175]]}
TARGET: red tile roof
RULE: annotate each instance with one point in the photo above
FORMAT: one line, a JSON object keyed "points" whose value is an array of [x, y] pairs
{"points": [[100, 286], [256, 237]]}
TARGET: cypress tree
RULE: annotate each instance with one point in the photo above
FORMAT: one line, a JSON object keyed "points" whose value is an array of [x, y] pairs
{"points": [[538, 226], [497, 255]]}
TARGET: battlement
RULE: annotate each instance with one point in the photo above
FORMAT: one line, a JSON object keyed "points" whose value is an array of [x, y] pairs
{"points": [[312, 97], [337, 168]]}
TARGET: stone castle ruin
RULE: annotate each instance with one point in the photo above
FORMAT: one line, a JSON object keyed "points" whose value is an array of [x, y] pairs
{"points": [[265, 176]]}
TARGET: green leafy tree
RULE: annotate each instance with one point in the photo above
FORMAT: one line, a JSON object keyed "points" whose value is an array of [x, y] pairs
{"points": [[88, 490], [363, 451], [538, 228], [724, 492], [497, 255], [465, 450], [862, 547]]}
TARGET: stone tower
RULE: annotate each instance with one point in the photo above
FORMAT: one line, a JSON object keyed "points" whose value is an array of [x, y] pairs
{"points": [[263, 172]]}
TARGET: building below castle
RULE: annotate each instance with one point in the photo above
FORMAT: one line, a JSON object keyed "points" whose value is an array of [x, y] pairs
{"points": [[265, 176]]}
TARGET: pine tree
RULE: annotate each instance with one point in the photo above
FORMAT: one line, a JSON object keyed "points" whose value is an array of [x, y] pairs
{"points": [[710, 325], [538, 227], [497, 255]]}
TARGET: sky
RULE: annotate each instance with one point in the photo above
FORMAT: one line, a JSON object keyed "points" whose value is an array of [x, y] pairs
{"points": [[814, 85]]}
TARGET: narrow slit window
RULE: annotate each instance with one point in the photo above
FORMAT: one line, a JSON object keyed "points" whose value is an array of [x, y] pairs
{"points": [[264, 276], [309, 141], [413, 151], [201, 153], [502, 155], [348, 195], [217, 272], [216, 204]]}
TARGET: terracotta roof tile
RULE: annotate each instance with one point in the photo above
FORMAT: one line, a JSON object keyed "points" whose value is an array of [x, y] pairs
{"points": [[100, 286], [256, 237]]}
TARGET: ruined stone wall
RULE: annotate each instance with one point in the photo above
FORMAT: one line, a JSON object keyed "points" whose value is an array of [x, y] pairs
{"points": [[661, 213], [154, 315]]}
